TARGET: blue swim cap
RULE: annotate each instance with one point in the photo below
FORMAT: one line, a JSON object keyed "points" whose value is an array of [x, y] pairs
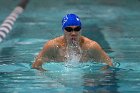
{"points": [[70, 20]]}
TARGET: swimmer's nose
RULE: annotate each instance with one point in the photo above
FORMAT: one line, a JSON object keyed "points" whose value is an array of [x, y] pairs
{"points": [[73, 33]]}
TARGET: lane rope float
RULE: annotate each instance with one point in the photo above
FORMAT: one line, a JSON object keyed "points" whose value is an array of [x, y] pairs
{"points": [[8, 23]]}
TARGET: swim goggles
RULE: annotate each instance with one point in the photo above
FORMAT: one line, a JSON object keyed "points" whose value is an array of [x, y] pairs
{"points": [[76, 29]]}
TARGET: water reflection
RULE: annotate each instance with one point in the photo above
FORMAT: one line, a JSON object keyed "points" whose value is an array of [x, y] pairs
{"points": [[105, 82], [81, 79]]}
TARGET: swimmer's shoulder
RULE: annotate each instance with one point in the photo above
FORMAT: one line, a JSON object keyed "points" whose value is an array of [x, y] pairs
{"points": [[89, 44], [55, 41], [88, 41]]}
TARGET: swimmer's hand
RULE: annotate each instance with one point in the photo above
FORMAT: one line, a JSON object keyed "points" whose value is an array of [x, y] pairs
{"points": [[39, 68], [105, 67]]}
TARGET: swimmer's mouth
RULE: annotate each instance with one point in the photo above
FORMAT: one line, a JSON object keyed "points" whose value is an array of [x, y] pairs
{"points": [[73, 39]]}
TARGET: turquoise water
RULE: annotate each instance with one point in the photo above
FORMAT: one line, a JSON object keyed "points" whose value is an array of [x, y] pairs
{"points": [[115, 24]]}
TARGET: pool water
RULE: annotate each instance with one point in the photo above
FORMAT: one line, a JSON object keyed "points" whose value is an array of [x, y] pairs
{"points": [[114, 24]]}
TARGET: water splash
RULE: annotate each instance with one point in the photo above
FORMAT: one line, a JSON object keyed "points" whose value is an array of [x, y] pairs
{"points": [[73, 54]]}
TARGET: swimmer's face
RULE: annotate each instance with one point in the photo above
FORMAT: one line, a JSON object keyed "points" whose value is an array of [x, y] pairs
{"points": [[72, 33]]}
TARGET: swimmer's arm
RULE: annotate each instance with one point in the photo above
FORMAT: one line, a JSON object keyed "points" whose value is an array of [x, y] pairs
{"points": [[105, 58], [102, 56], [40, 59], [39, 62]]}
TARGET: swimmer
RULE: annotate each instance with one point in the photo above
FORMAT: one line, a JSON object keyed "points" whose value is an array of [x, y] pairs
{"points": [[59, 48]]}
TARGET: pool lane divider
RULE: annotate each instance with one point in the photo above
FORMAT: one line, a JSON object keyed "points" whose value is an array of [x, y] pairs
{"points": [[7, 24]]}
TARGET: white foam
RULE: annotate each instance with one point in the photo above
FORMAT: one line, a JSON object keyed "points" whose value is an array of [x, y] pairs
{"points": [[73, 55]]}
